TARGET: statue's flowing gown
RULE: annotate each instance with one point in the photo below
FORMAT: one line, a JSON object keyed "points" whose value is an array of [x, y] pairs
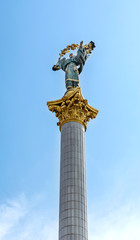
{"points": [[70, 68]]}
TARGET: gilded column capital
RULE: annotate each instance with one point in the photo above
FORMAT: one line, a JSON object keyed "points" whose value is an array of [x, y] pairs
{"points": [[72, 107]]}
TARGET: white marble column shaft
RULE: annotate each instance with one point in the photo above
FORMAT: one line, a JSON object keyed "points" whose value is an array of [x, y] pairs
{"points": [[73, 194]]}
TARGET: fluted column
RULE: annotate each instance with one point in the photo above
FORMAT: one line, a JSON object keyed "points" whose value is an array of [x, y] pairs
{"points": [[73, 112], [73, 196]]}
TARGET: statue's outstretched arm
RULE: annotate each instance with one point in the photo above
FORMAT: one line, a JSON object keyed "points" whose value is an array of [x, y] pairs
{"points": [[81, 57], [60, 65], [83, 53], [81, 43]]}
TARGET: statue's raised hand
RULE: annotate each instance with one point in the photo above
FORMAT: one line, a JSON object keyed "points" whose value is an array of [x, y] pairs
{"points": [[81, 43], [55, 68]]}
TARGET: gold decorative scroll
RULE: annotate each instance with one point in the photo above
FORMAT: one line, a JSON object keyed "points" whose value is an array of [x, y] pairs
{"points": [[72, 107]]}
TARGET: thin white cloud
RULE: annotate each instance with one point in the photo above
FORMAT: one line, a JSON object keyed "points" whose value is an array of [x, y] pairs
{"points": [[10, 213], [20, 220], [122, 223]]}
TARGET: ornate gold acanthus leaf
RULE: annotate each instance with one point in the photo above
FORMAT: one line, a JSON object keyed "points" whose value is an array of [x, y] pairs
{"points": [[72, 107]]}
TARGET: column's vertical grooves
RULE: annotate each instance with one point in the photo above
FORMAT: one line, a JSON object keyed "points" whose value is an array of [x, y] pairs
{"points": [[73, 199]]}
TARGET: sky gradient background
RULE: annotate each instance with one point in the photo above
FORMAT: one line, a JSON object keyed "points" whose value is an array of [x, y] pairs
{"points": [[32, 34]]}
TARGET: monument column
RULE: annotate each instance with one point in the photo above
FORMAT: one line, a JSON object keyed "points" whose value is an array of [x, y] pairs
{"points": [[73, 112], [73, 202]]}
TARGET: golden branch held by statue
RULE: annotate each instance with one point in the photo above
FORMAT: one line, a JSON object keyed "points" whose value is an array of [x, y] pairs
{"points": [[73, 46]]}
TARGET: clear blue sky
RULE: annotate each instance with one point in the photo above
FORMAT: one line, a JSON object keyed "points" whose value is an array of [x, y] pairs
{"points": [[31, 35]]}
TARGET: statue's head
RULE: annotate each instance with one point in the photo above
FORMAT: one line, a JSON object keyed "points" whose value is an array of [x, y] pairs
{"points": [[71, 55]]}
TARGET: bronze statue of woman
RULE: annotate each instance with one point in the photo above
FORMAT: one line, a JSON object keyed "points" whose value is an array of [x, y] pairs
{"points": [[73, 66]]}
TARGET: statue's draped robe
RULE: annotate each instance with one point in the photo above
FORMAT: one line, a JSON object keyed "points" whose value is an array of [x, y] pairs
{"points": [[69, 66]]}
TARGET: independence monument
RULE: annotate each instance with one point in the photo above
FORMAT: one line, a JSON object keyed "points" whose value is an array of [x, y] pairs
{"points": [[73, 113]]}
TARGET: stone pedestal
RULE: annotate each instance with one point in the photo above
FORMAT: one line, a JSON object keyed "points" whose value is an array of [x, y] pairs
{"points": [[73, 112]]}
